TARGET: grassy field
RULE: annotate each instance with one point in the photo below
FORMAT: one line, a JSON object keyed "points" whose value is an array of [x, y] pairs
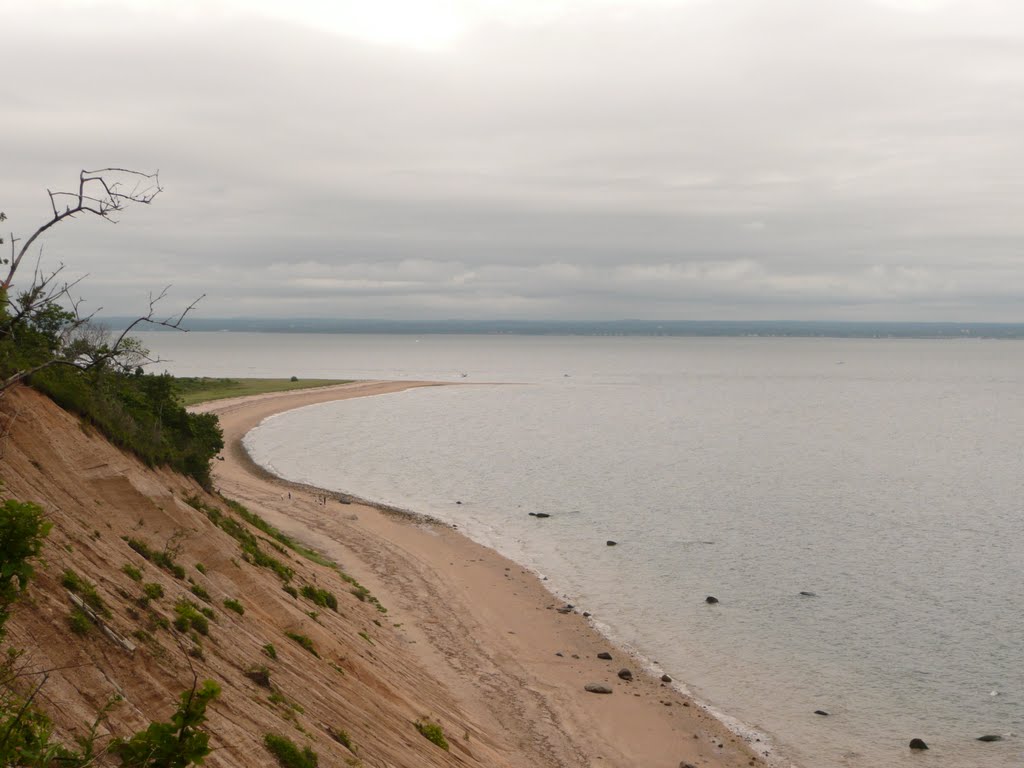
{"points": [[198, 390]]}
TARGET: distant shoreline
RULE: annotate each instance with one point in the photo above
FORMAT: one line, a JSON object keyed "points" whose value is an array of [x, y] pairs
{"points": [[640, 328]]}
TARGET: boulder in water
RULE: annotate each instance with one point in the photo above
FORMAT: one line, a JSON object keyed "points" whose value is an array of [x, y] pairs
{"points": [[918, 744], [990, 737], [611, 543], [710, 599]]}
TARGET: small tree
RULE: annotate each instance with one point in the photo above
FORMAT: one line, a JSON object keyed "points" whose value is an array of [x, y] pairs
{"points": [[22, 530], [175, 744], [43, 326]]}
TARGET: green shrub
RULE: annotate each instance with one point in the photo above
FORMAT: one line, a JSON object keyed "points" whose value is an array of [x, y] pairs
{"points": [[367, 638], [201, 593], [270, 650], [85, 589], [162, 559], [152, 591], [79, 622], [234, 605], [188, 617], [432, 732], [201, 568], [132, 572], [174, 744], [304, 641], [321, 597], [288, 754], [291, 590], [341, 736]]}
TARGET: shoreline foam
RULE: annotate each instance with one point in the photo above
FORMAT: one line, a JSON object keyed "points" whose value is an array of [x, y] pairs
{"points": [[638, 730]]}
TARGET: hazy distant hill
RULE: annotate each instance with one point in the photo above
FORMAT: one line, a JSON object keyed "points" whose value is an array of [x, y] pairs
{"points": [[610, 328]]}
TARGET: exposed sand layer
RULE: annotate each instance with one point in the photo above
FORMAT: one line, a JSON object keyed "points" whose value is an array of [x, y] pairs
{"points": [[480, 623]]}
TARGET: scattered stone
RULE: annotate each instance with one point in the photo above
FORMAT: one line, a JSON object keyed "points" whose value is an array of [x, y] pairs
{"points": [[666, 679], [808, 594], [565, 609], [685, 764], [575, 655], [625, 674], [596, 688], [458, 502], [586, 614], [604, 655], [918, 744], [559, 653], [611, 543], [821, 712], [710, 599], [990, 737], [667, 703], [540, 515]]}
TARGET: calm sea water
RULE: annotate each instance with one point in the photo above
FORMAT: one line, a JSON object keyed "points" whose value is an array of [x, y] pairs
{"points": [[884, 476]]}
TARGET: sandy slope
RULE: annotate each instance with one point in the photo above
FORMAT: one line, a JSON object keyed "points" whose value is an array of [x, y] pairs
{"points": [[481, 624]]}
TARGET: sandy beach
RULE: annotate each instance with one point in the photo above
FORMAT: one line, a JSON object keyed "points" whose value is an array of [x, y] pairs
{"points": [[480, 623]]}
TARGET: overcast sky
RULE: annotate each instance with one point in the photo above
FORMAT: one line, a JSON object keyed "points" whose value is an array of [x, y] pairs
{"points": [[696, 159]]}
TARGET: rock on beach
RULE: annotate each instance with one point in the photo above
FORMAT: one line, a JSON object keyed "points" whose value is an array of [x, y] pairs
{"points": [[596, 688]]}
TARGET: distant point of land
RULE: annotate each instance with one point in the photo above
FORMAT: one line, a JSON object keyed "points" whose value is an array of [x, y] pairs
{"points": [[192, 390]]}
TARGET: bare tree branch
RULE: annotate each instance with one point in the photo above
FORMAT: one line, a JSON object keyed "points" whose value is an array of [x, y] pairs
{"points": [[107, 200], [49, 312]]}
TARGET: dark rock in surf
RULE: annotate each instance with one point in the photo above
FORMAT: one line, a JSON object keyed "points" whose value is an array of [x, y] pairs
{"points": [[990, 737], [625, 674], [666, 679], [596, 688], [611, 543], [808, 594], [710, 599], [540, 515], [604, 655], [918, 744], [821, 712]]}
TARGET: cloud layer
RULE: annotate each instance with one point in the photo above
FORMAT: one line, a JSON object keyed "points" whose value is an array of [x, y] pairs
{"points": [[697, 160]]}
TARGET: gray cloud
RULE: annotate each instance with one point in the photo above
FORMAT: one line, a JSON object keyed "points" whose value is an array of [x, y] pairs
{"points": [[748, 159]]}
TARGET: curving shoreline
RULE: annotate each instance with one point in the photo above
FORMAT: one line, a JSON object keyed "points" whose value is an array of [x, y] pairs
{"points": [[484, 624]]}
